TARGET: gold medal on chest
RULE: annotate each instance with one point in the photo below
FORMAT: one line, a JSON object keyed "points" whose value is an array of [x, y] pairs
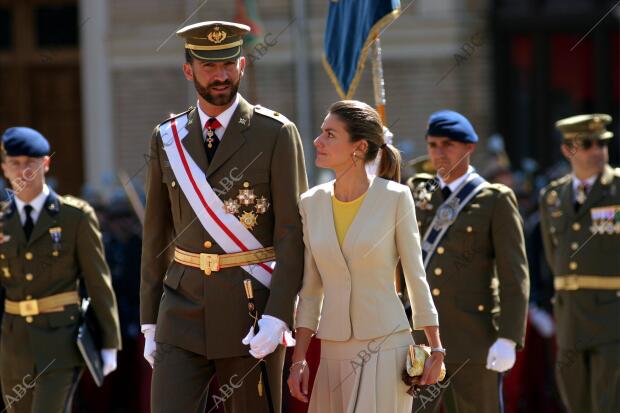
{"points": [[245, 200], [248, 219]]}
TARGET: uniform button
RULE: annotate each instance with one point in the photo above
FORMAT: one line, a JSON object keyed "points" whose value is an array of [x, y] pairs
{"points": [[2, 256], [174, 184], [574, 246], [28, 297], [72, 317], [208, 244], [29, 277], [29, 319], [440, 250], [438, 271], [572, 265], [436, 292], [246, 184], [480, 307], [55, 253], [6, 272], [469, 228], [552, 230], [29, 256], [576, 226]]}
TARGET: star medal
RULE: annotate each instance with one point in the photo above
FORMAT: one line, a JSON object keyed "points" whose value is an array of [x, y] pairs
{"points": [[248, 219]]}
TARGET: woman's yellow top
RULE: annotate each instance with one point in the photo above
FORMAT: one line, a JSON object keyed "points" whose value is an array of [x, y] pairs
{"points": [[344, 214]]}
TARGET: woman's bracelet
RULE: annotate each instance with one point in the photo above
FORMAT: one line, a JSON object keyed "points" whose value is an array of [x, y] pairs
{"points": [[303, 363]]}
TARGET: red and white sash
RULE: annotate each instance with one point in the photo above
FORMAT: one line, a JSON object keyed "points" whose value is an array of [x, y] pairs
{"points": [[226, 229]]}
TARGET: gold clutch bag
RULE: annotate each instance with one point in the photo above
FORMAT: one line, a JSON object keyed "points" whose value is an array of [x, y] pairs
{"points": [[416, 357]]}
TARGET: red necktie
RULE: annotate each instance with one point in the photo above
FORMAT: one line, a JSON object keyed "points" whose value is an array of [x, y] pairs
{"points": [[212, 141]]}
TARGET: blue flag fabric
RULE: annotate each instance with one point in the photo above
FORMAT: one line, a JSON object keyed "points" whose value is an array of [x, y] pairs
{"points": [[352, 25]]}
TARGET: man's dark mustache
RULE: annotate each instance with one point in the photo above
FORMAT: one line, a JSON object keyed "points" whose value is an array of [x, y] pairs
{"points": [[216, 84]]}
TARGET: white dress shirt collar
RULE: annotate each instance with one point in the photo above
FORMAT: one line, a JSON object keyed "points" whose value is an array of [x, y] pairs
{"points": [[37, 205], [587, 182], [458, 181], [223, 118]]}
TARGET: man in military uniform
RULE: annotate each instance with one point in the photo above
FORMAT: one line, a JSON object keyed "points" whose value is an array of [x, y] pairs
{"points": [[222, 192], [580, 218], [49, 246], [474, 255]]}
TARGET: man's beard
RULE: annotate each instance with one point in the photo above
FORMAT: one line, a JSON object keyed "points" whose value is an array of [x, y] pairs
{"points": [[219, 99]]}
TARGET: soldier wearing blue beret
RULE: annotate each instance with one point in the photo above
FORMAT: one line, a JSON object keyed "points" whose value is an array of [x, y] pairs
{"points": [[474, 255], [49, 245]]}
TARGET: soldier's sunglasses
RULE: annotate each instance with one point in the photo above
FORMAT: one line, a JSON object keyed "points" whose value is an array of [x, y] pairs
{"points": [[586, 144]]}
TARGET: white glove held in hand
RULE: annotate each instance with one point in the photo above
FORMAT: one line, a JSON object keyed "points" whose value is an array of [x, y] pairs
{"points": [[272, 331], [542, 321], [502, 355], [108, 356], [149, 344]]}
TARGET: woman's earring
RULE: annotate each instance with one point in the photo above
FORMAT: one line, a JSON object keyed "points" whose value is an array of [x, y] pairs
{"points": [[354, 158]]}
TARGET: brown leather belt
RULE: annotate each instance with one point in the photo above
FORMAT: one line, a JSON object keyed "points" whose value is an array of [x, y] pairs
{"points": [[51, 304], [215, 262], [575, 282]]}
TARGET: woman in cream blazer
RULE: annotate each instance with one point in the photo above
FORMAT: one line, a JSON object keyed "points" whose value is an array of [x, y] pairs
{"points": [[356, 229]]}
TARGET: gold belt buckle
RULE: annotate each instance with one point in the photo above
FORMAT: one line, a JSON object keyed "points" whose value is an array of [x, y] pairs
{"points": [[571, 283], [209, 263], [28, 308]]}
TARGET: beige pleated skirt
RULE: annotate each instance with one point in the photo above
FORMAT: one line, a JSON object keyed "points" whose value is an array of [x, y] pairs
{"points": [[362, 376]]}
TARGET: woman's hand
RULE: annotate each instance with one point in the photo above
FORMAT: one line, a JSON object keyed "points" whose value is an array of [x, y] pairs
{"points": [[432, 369], [298, 379]]}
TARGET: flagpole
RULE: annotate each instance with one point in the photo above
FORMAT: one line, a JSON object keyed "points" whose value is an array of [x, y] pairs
{"points": [[380, 100], [378, 82]]}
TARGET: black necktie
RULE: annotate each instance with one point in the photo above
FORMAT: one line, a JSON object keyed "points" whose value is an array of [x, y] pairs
{"points": [[29, 224], [445, 191], [211, 142]]}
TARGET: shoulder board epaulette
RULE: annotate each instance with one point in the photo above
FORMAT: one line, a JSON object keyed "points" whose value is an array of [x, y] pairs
{"points": [[559, 181], [271, 114], [553, 185], [422, 177], [499, 187], [75, 202], [172, 116]]}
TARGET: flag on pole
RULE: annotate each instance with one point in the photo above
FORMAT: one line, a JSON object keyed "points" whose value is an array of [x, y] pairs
{"points": [[247, 13], [352, 25]]}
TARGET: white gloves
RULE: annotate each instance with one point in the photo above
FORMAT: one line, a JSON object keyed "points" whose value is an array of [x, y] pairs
{"points": [[542, 321], [108, 356], [149, 343], [502, 355], [272, 331]]}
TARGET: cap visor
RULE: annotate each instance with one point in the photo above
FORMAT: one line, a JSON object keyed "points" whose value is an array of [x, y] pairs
{"points": [[216, 55]]}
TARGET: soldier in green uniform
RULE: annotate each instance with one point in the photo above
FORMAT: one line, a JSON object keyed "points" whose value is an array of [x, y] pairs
{"points": [[49, 246], [222, 190], [474, 255], [580, 218]]}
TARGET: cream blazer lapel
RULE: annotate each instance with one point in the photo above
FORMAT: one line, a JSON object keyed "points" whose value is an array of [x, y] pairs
{"points": [[328, 230]]}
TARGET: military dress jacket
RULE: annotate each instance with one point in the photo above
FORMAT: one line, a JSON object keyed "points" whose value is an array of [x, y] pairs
{"points": [[478, 274], [44, 266], [261, 151], [585, 242]]}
